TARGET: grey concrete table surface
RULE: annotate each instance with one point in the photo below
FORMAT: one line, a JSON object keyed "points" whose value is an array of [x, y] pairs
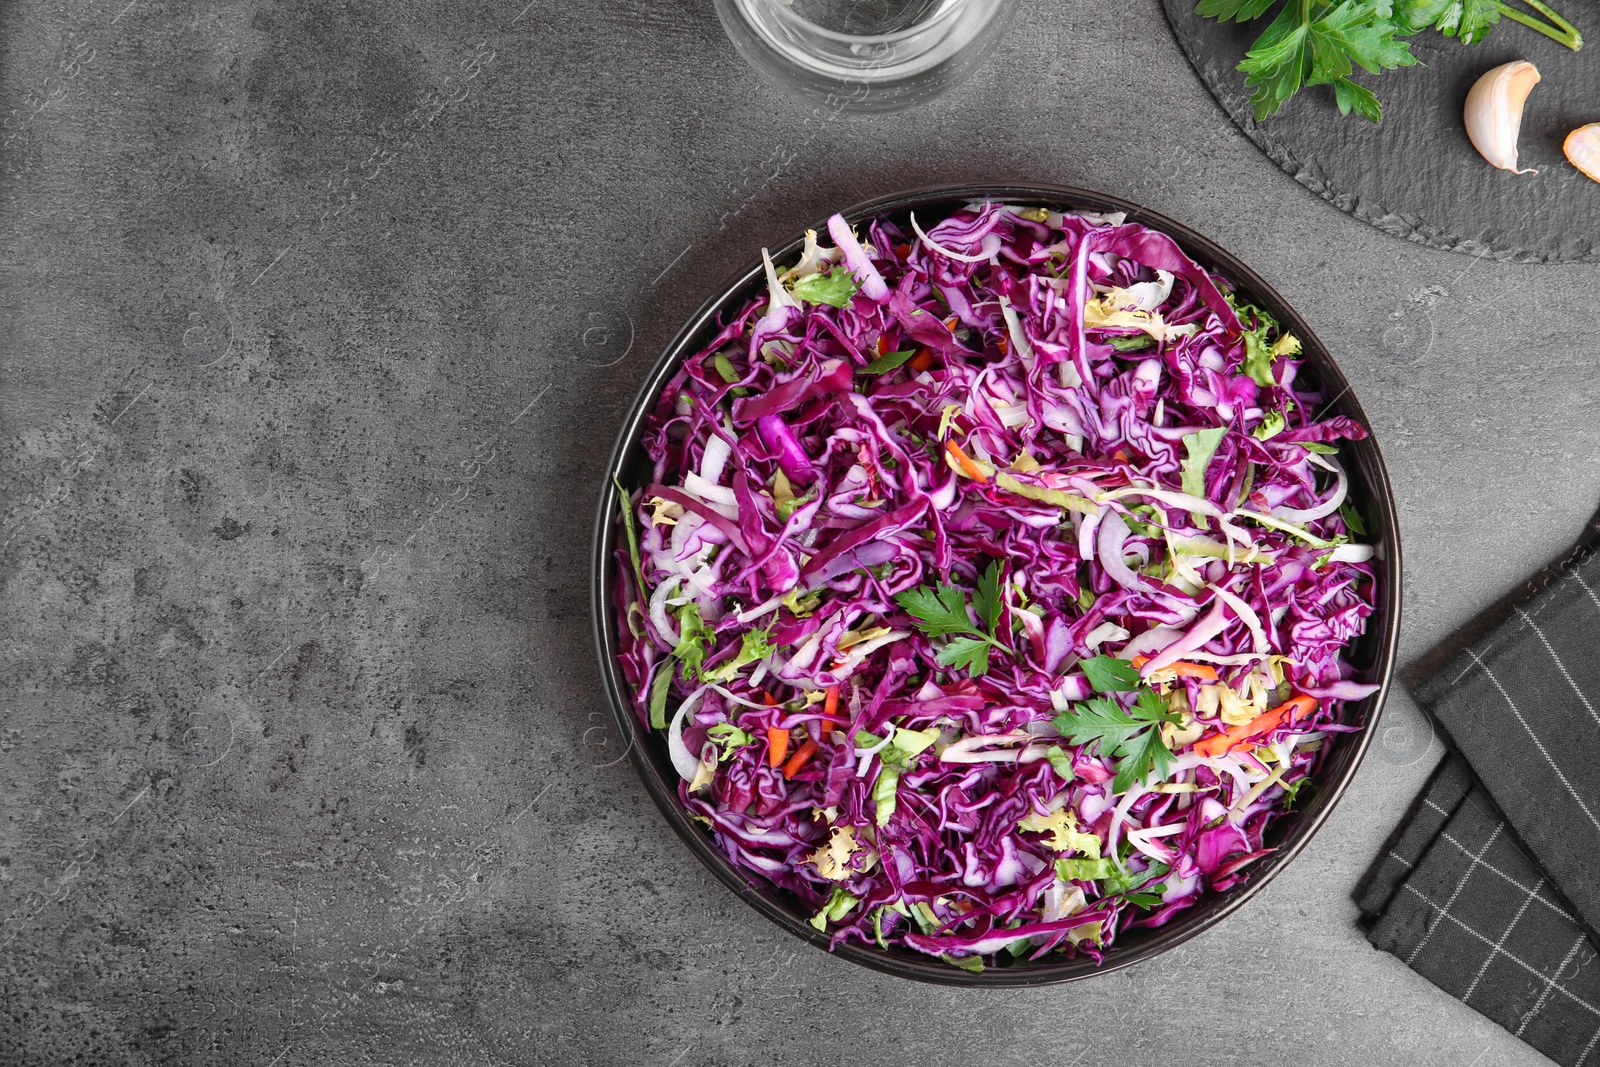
{"points": [[318, 322]]}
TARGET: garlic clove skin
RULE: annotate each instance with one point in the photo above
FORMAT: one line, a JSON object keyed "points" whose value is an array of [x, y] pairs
{"points": [[1582, 148], [1493, 113]]}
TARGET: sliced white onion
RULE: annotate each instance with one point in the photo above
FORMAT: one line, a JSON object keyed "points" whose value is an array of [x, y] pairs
{"points": [[683, 761], [778, 298], [717, 497], [1351, 554], [1014, 327], [658, 611], [759, 610], [715, 459], [1087, 527], [966, 749], [1150, 642]]}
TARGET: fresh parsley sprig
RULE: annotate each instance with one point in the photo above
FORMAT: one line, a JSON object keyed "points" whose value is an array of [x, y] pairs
{"points": [[946, 611], [1130, 735], [1321, 42]]}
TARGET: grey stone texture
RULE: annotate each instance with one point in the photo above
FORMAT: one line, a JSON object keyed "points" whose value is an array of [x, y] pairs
{"points": [[318, 321]]}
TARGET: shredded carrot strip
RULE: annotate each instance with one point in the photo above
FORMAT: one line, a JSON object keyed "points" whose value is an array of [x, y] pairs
{"points": [[800, 758], [777, 745], [1237, 736], [971, 469]]}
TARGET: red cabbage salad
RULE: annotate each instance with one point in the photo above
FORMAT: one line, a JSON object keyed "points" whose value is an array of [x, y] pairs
{"points": [[991, 582]]}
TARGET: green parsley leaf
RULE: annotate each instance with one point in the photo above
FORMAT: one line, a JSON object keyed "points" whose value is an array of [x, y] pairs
{"points": [[1148, 901], [1352, 518], [888, 362], [1312, 42], [1202, 445], [987, 599], [969, 652], [1135, 343], [1357, 98], [1142, 755], [939, 611], [943, 611], [1414, 16], [1237, 10], [1468, 20], [834, 288], [1121, 881], [1108, 674], [1133, 736], [1098, 719], [1291, 790]]}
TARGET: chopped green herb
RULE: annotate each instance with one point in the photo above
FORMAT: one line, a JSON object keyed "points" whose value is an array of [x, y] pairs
{"points": [[1132, 736], [1352, 518], [625, 504], [888, 362], [1135, 343], [754, 645], [834, 288], [658, 693], [694, 639], [729, 737], [1108, 674], [943, 611]]}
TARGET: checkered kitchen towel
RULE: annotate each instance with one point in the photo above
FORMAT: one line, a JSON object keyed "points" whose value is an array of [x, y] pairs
{"points": [[1492, 889]]}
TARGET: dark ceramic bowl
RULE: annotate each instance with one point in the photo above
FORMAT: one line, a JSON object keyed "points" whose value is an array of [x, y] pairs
{"points": [[1372, 656]]}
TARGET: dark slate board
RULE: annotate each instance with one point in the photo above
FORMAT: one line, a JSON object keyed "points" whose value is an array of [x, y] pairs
{"points": [[1416, 175]]}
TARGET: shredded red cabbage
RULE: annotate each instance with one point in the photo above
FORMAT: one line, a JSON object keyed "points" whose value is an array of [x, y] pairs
{"points": [[993, 582]]}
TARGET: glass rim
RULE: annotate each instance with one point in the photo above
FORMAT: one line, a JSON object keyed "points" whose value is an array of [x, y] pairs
{"points": [[785, 12]]}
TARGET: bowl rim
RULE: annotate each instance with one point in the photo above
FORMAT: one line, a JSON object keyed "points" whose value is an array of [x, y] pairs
{"points": [[1383, 625]]}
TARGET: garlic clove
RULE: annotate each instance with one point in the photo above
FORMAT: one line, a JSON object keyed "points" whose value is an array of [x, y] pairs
{"points": [[1582, 148], [1494, 113]]}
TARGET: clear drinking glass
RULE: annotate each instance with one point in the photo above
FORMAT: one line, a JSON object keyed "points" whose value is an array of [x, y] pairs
{"points": [[865, 55]]}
